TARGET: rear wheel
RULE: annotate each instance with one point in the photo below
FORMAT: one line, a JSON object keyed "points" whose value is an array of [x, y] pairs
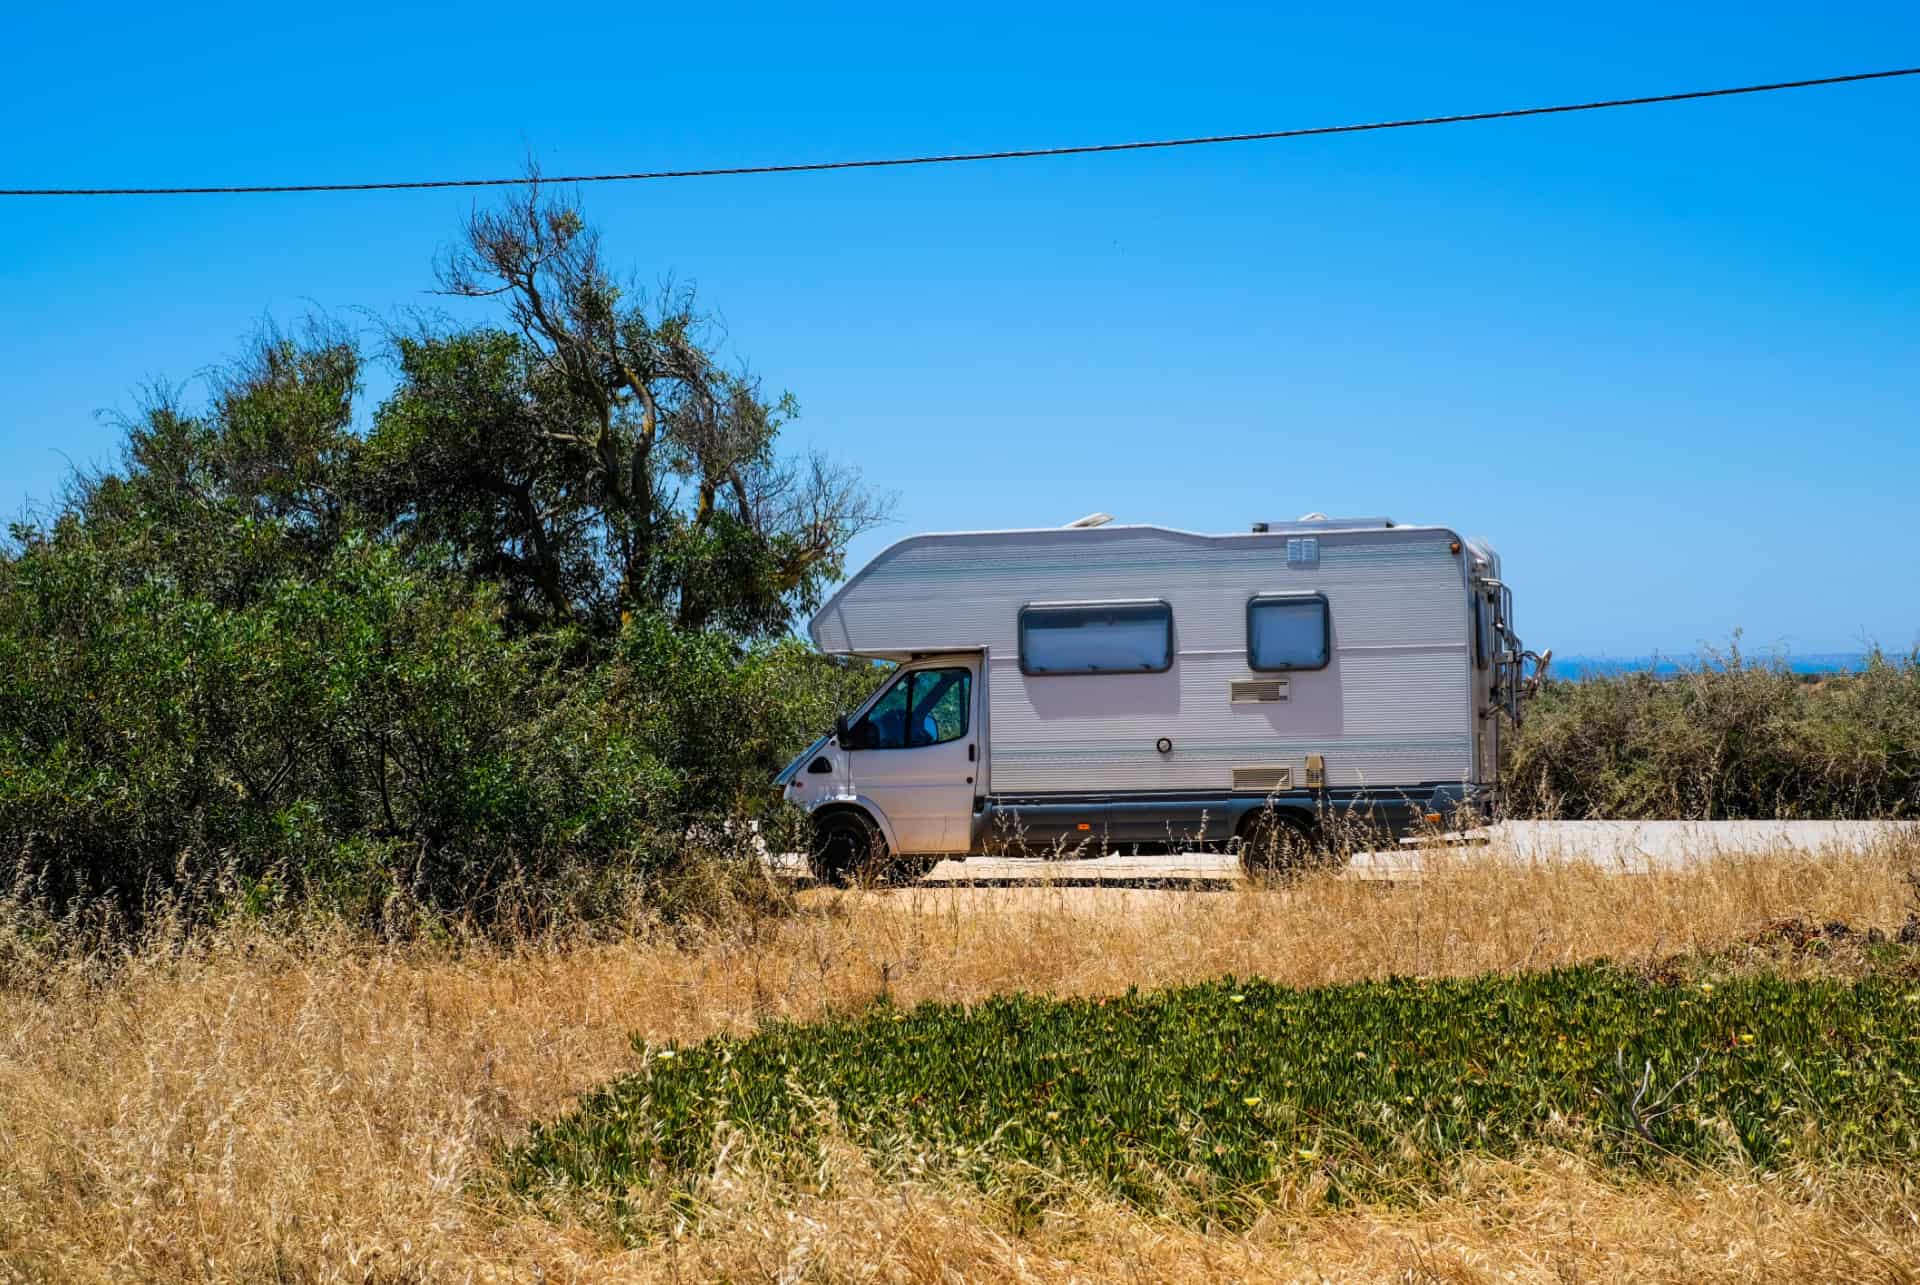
{"points": [[848, 848], [1275, 843]]}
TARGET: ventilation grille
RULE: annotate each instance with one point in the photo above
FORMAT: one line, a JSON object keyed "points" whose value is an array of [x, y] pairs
{"points": [[1263, 779], [1252, 690]]}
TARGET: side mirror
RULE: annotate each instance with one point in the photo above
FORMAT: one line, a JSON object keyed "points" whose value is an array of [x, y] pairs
{"points": [[840, 731]]}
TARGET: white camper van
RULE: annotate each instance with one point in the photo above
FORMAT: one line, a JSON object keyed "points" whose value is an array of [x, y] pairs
{"points": [[1100, 687]]}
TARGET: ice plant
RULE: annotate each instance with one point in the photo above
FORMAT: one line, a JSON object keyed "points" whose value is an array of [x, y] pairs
{"points": [[1208, 1072]]}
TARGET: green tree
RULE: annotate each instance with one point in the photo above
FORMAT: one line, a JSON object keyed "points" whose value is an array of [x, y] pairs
{"points": [[596, 457], [256, 486]]}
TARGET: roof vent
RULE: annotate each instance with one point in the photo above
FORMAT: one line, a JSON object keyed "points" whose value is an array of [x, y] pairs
{"points": [[1321, 522], [1091, 520]]}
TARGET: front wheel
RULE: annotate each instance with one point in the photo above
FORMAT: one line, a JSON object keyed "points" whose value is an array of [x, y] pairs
{"points": [[847, 848]]}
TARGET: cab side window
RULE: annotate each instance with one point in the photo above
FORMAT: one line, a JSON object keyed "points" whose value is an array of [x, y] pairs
{"points": [[940, 706], [924, 707]]}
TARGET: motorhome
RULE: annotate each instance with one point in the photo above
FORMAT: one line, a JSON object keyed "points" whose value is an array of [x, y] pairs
{"points": [[1101, 686]]}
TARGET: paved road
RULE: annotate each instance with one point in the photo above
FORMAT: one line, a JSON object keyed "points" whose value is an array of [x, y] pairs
{"points": [[1629, 846]]}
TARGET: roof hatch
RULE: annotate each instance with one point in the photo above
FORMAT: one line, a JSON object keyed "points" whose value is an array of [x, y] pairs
{"points": [[1321, 522]]}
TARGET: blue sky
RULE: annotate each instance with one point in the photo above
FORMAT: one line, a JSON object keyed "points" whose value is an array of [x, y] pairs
{"points": [[1665, 358]]}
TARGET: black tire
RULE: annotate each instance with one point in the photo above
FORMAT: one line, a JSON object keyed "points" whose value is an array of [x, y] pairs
{"points": [[1276, 844], [848, 848]]}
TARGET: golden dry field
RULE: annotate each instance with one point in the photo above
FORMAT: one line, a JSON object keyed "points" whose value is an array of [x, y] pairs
{"points": [[294, 1104]]}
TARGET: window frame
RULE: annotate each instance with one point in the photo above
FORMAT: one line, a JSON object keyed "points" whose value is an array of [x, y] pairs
{"points": [[1326, 631], [907, 676], [1043, 608]]}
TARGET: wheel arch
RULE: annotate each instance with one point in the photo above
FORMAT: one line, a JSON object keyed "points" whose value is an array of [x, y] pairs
{"points": [[1300, 813], [863, 806]]}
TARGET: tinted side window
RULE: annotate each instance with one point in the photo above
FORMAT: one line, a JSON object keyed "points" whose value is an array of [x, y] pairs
{"points": [[923, 707], [941, 704], [1288, 633], [1122, 638]]}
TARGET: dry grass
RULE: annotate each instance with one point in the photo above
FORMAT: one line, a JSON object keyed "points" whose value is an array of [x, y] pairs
{"points": [[1549, 1219], [309, 1107]]}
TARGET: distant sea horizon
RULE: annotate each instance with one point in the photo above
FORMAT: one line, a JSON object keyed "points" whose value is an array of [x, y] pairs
{"points": [[1815, 662]]}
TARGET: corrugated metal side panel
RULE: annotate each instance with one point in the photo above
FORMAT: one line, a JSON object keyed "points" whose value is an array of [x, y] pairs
{"points": [[1404, 692], [956, 591], [1392, 707], [829, 630]]}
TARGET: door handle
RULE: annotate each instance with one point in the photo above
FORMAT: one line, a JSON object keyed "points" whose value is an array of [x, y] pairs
{"points": [[969, 753]]}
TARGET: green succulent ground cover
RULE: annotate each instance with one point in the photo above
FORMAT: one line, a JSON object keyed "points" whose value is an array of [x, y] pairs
{"points": [[1212, 1097]]}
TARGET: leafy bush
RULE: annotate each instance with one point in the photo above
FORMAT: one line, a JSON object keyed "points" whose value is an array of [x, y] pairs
{"points": [[1211, 1097], [1729, 738], [368, 732]]}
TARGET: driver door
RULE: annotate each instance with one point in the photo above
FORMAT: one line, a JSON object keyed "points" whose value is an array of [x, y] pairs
{"points": [[915, 755]]}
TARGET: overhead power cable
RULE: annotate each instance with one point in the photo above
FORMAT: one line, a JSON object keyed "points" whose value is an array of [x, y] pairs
{"points": [[1015, 154]]}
